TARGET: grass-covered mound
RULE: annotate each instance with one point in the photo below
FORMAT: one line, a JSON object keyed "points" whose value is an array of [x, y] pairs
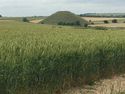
{"points": [[65, 18]]}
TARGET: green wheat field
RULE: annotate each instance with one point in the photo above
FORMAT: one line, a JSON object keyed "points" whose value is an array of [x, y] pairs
{"points": [[43, 59]]}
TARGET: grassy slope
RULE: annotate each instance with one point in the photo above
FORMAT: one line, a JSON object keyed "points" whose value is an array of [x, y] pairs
{"points": [[63, 16], [49, 57]]}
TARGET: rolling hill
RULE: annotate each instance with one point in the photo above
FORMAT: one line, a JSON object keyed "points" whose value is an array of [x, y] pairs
{"points": [[64, 18]]}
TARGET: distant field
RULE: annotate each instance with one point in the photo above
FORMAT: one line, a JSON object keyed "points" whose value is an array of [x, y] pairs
{"points": [[20, 18], [36, 21], [99, 21], [101, 18]]}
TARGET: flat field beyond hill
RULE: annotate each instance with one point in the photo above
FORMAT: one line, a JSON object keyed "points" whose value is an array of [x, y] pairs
{"points": [[101, 18], [44, 59], [99, 21]]}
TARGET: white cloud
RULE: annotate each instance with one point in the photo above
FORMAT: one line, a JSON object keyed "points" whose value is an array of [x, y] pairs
{"points": [[46, 7]]}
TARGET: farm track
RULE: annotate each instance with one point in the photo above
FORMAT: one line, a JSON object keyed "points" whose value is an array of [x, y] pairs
{"points": [[107, 86]]}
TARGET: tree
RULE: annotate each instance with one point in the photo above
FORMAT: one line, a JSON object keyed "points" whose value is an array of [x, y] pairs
{"points": [[106, 22], [0, 15], [61, 23], [42, 22], [114, 21], [85, 25], [92, 23], [25, 19], [78, 23]]}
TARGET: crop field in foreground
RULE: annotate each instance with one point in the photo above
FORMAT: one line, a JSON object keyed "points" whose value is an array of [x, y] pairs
{"points": [[42, 59]]}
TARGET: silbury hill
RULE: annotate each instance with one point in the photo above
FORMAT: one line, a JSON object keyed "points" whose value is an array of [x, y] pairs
{"points": [[65, 18]]}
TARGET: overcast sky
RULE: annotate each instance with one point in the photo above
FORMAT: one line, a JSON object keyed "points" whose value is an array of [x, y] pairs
{"points": [[47, 7]]}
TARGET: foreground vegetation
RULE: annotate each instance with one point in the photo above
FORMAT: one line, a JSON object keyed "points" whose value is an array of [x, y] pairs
{"points": [[42, 59]]}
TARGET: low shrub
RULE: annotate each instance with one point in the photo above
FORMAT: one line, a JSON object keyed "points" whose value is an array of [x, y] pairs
{"points": [[114, 21], [92, 23], [85, 25], [25, 19], [106, 21], [100, 28], [77, 23]]}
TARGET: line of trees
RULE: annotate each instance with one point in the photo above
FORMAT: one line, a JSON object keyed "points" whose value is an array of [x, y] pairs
{"points": [[106, 21], [0, 15], [77, 23], [113, 21], [102, 15]]}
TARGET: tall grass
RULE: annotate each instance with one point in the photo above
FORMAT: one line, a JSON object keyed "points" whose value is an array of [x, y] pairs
{"points": [[47, 59]]}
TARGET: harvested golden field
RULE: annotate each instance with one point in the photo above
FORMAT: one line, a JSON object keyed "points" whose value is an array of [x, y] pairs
{"points": [[36, 21], [100, 18], [99, 21]]}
